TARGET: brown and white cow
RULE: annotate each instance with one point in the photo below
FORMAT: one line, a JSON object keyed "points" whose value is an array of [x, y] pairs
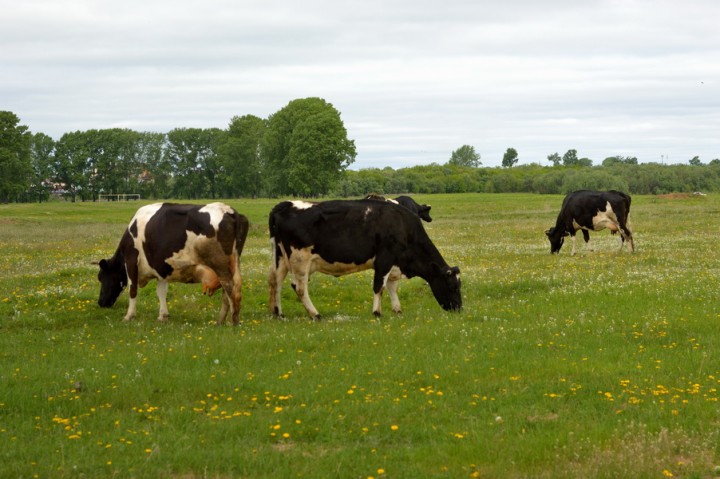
{"points": [[178, 243], [591, 211], [343, 237]]}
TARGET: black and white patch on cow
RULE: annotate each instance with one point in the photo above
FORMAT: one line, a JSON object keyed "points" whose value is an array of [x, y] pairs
{"points": [[591, 211], [343, 237], [178, 243]]}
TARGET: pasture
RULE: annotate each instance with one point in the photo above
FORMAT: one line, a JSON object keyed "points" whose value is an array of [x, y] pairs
{"points": [[605, 364]]}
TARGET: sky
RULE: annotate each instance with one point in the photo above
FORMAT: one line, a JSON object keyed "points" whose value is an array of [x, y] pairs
{"points": [[413, 80]]}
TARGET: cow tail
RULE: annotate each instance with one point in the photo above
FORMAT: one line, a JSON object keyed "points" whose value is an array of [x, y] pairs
{"points": [[242, 226]]}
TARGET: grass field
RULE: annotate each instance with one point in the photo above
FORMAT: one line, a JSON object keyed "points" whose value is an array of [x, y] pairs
{"points": [[605, 364]]}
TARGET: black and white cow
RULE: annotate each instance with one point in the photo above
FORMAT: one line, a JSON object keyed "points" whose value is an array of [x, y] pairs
{"points": [[591, 210], [178, 243], [423, 211], [343, 237]]}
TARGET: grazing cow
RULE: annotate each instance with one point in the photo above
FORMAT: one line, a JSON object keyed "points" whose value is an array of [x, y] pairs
{"points": [[423, 211], [591, 210], [342, 237], [178, 243]]}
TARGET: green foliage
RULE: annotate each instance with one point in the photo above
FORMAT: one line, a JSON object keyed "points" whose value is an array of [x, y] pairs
{"points": [[599, 365], [191, 152], [306, 148], [465, 156], [241, 157], [510, 158], [15, 168]]}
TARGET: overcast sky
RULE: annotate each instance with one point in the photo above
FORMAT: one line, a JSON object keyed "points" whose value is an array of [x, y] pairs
{"points": [[413, 80]]}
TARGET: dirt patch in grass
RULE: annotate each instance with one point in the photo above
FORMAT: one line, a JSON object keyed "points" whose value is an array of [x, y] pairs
{"points": [[674, 196]]}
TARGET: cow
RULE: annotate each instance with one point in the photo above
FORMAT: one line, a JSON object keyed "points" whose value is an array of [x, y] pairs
{"points": [[591, 210], [423, 211], [346, 236], [178, 243]]}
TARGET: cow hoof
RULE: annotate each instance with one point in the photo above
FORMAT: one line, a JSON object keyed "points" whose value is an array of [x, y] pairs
{"points": [[163, 318], [317, 318], [377, 314]]}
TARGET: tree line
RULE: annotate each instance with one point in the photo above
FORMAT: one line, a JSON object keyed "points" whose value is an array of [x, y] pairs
{"points": [[302, 150]]}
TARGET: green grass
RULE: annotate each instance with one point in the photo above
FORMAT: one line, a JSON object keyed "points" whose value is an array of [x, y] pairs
{"points": [[600, 365]]}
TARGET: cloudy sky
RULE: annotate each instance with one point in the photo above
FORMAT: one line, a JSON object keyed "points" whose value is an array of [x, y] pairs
{"points": [[413, 79]]}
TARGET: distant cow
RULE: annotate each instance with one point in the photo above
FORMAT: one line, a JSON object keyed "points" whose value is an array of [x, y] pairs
{"points": [[342, 237], [591, 210], [423, 211], [178, 243]]}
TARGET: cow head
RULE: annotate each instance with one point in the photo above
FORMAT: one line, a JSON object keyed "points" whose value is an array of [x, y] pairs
{"points": [[557, 238], [445, 285], [424, 213], [113, 279]]}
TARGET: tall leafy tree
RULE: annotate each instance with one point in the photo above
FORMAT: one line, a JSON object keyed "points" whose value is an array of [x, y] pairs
{"points": [[555, 159], [15, 168], [306, 148], [154, 168], [240, 157], [570, 158], [193, 158], [510, 158], [72, 168], [465, 156], [42, 150]]}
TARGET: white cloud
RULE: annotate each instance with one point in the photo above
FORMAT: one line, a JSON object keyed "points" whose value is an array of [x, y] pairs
{"points": [[412, 80]]}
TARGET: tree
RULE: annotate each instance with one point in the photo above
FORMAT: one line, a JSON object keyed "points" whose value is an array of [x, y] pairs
{"points": [[695, 161], [570, 158], [71, 164], [620, 160], [510, 158], [42, 149], [305, 148], [240, 157], [154, 169], [191, 153], [15, 168], [555, 159], [465, 156]]}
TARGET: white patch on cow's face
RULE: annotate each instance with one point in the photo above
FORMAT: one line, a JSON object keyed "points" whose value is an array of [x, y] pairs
{"points": [[302, 205], [367, 212], [216, 212]]}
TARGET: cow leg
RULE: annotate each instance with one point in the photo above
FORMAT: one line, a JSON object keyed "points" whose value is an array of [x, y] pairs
{"points": [[161, 289], [301, 289], [299, 266], [236, 296], [572, 236], [625, 234], [132, 303], [231, 299], [276, 276], [586, 237], [392, 287]]}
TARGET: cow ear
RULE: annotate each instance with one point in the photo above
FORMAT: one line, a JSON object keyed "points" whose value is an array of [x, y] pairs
{"points": [[566, 234], [425, 208], [455, 270], [548, 232], [103, 264]]}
